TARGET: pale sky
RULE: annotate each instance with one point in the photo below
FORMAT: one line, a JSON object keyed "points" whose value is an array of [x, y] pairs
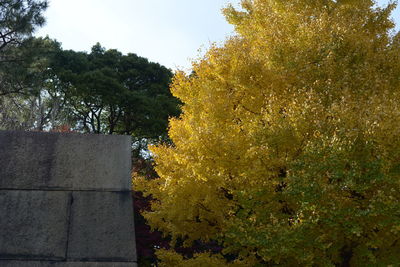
{"points": [[169, 32]]}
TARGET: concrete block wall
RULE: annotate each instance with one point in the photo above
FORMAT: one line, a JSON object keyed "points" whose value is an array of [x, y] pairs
{"points": [[65, 200]]}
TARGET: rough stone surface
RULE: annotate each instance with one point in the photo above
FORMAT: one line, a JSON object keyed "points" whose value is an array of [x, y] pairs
{"points": [[65, 200], [65, 264], [101, 227], [53, 161], [33, 224]]}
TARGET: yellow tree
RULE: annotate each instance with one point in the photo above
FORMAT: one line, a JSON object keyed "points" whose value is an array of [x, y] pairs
{"points": [[288, 148]]}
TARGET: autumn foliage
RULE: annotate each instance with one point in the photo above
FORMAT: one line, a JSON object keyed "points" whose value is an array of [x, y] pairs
{"points": [[288, 148]]}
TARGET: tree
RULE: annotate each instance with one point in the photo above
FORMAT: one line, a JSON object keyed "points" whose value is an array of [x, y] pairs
{"points": [[18, 20], [115, 93], [22, 64], [37, 102], [287, 150]]}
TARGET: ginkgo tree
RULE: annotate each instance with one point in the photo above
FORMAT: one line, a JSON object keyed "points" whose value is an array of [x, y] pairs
{"points": [[288, 148]]}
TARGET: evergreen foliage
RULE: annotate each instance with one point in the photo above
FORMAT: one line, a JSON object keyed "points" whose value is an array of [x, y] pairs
{"points": [[18, 20], [109, 92]]}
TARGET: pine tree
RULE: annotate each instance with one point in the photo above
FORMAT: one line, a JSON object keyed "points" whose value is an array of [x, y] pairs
{"points": [[18, 21]]}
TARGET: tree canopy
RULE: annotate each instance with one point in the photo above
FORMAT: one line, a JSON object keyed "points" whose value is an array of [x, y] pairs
{"points": [[32, 99], [287, 151], [114, 93], [18, 20], [22, 61], [102, 91]]}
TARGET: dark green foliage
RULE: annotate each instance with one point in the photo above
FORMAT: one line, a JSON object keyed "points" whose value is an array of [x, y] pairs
{"points": [[18, 20], [115, 93], [31, 98], [44, 87]]}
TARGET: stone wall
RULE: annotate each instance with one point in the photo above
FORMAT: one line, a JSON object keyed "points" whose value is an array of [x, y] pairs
{"points": [[65, 200]]}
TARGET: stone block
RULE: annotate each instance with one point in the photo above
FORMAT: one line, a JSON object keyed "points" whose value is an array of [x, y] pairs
{"points": [[33, 224], [55, 161], [26, 159], [101, 227]]}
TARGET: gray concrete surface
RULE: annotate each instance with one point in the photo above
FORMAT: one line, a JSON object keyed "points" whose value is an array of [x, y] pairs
{"points": [[33, 224], [101, 227], [65, 200], [54, 161]]}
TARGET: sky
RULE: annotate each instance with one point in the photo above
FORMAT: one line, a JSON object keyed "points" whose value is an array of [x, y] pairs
{"points": [[170, 32]]}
